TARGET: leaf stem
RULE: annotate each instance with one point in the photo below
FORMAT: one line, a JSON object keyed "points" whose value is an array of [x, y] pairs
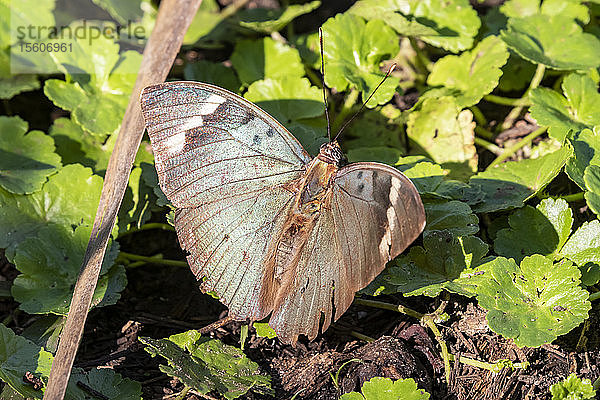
{"points": [[428, 320], [569, 198], [515, 112], [233, 8], [494, 367], [153, 260], [145, 227], [484, 133], [423, 62], [514, 148], [361, 336], [506, 101], [478, 115], [346, 109], [488, 146], [389, 306], [594, 296]]}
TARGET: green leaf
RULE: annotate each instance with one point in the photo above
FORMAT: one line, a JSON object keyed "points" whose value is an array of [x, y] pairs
{"points": [[208, 365], [104, 381], [454, 216], [263, 329], [573, 388], [526, 8], [510, 184], [440, 131], [49, 264], [215, 73], [451, 25], [516, 74], [475, 73], [576, 111], [26, 159], [379, 388], [259, 59], [591, 178], [69, 198], [136, 207], [287, 99], [583, 248], [150, 178], [382, 154], [206, 23], [13, 84], [427, 270], [266, 20], [426, 176], [586, 151], [353, 51], [533, 303], [123, 12], [98, 84], [541, 230], [380, 127], [555, 41], [18, 356]]}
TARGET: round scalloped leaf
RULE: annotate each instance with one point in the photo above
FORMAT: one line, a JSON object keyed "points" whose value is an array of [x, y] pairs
{"points": [[555, 41], [542, 230], [444, 133], [586, 151], [18, 356], [263, 329], [99, 83], [427, 270], [591, 177], [510, 184], [583, 248], [268, 20], [525, 8], [453, 216], [287, 99], [533, 303], [69, 198], [26, 160], [214, 73], [426, 176], [266, 58], [475, 73], [49, 264], [12, 84], [516, 74], [451, 25], [208, 365], [573, 388], [574, 112], [353, 50], [379, 388], [105, 381]]}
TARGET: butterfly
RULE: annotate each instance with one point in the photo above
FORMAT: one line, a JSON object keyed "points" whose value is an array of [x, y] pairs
{"points": [[267, 227]]}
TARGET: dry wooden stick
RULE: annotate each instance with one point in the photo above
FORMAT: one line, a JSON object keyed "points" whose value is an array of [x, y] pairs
{"points": [[173, 20]]}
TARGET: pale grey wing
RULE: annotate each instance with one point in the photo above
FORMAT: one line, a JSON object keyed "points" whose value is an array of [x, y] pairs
{"points": [[225, 164], [375, 213], [209, 144], [228, 242]]}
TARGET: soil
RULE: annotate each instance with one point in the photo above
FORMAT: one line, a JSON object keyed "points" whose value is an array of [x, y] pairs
{"points": [[160, 301]]}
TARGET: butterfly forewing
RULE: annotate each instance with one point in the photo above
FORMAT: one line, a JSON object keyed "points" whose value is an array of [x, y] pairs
{"points": [[224, 164], [209, 143]]}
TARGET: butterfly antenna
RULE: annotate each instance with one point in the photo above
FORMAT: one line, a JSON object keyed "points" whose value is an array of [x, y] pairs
{"points": [[323, 81], [365, 103]]}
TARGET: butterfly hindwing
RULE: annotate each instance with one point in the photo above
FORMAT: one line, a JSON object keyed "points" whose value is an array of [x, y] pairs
{"points": [[224, 163], [375, 213]]}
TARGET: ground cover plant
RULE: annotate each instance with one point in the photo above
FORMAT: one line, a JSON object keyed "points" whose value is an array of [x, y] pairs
{"points": [[493, 111]]}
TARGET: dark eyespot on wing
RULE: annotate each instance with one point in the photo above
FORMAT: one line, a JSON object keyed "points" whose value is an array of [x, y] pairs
{"points": [[256, 140], [359, 175]]}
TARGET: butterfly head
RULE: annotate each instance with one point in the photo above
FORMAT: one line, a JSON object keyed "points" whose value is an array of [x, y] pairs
{"points": [[332, 153]]}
